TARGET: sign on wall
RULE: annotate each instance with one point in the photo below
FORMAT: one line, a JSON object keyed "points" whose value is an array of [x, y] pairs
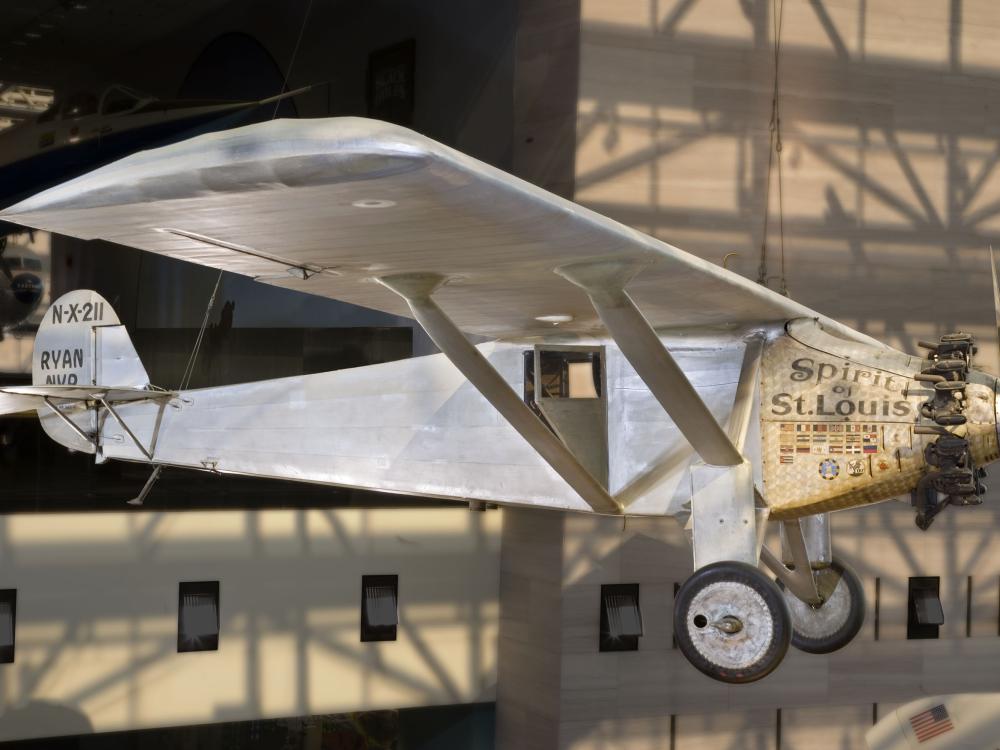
{"points": [[390, 83]]}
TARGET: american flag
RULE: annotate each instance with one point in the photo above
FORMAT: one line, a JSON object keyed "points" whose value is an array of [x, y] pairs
{"points": [[931, 723]]}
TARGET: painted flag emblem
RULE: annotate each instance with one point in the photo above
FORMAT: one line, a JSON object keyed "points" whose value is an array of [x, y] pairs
{"points": [[931, 723], [829, 469]]}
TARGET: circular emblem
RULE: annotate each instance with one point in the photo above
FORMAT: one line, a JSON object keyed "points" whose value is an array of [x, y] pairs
{"points": [[829, 468], [856, 467]]}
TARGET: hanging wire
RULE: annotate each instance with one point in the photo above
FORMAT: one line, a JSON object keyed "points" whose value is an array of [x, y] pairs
{"points": [[774, 153], [139, 499], [291, 62], [189, 370]]}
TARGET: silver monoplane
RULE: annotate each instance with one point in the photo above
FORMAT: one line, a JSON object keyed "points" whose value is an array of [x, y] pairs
{"points": [[621, 376]]}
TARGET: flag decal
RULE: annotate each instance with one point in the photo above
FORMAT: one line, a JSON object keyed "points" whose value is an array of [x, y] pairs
{"points": [[931, 723]]}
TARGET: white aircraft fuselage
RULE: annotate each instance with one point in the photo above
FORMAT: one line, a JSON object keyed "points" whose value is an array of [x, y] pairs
{"points": [[831, 424]]}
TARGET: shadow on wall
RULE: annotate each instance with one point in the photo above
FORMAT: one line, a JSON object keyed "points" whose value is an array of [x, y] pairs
{"points": [[25, 720], [884, 195], [97, 618]]}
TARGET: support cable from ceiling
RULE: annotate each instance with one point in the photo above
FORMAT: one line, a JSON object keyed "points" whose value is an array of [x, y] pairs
{"points": [[154, 477], [189, 370], [291, 62], [774, 155]]}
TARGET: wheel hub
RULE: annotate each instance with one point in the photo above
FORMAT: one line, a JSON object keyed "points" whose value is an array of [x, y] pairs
{"points": [[730, 624]]}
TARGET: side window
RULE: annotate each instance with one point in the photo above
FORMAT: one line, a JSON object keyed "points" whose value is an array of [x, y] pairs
{"points": [[8, 618], [79, 105], [117, 100], [198, 616], [621, 618], [924, 612], [564, 374], [379, 607]]}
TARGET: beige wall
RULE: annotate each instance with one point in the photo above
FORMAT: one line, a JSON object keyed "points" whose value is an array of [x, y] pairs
{"points": [[890, 117], [97, 615]]}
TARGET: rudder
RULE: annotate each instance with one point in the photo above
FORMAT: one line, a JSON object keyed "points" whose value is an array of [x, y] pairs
{"points": [[81, 342]]}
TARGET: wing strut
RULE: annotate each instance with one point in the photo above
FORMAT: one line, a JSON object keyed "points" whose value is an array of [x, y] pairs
{"points": [[604, 282], [417, 290]]}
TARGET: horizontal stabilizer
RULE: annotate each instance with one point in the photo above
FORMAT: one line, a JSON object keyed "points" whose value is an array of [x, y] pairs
{"points": [[85, 393], [25, 398], [14, 403]]}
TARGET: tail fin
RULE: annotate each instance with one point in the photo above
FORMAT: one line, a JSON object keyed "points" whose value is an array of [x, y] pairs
{"points": [[80, 345], [82, 342]]}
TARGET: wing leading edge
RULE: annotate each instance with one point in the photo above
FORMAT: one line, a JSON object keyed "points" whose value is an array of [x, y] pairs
{"points": [[328, 206]]}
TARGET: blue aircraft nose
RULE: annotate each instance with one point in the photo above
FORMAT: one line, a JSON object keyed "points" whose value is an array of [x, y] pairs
{"points": [[27, 289]]}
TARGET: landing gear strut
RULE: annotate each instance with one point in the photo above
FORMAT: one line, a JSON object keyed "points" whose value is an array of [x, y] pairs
{"points": [[832, 624], [825, 599]]}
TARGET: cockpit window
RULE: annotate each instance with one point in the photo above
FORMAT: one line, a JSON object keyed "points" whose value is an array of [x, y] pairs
{"points": [[564, 374], [79, 105], [118, 100]]}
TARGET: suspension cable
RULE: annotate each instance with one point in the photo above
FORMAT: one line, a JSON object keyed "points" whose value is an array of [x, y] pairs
{"points": [[774, 153], [189, 370]]}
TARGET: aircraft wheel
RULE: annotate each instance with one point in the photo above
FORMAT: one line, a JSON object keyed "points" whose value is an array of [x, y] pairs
{"points": [[833, 624], [732, 622]]}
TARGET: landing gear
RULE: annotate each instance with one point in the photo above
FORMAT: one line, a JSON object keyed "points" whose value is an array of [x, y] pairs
{"points": [[831, 625], [732, 622], [824, 596]]}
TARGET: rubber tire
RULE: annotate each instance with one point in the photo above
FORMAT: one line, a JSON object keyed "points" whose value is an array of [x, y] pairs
{"points": [[846, 632], [734, 572]]}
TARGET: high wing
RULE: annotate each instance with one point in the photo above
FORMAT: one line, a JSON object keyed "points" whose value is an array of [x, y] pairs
{"points": [[327, 206]]}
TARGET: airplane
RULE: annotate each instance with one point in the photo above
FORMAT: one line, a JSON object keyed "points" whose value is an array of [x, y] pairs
{"points": [[21, 288], [619, 375], [964, 721], [87, 129]]}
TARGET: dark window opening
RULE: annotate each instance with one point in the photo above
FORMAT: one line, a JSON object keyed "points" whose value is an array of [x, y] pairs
{"points": [[50, 114], [118, 100], [621, 618], [391, 89], [79, 105], [8, 619], [198, 616], [924, 612], [379, 607]]}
